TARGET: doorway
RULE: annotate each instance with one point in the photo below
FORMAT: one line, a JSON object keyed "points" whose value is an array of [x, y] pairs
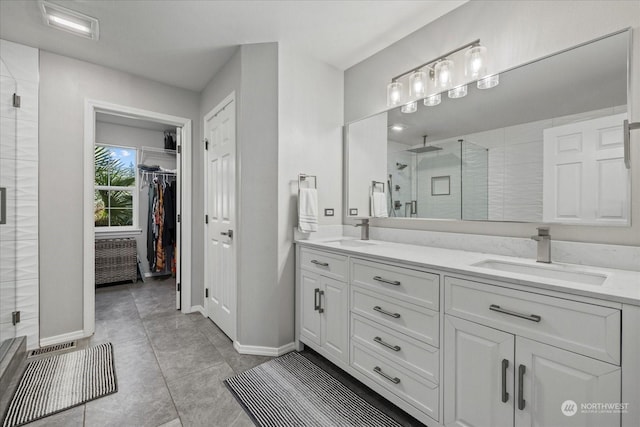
{"points": [[220, 216], [160, 145]]}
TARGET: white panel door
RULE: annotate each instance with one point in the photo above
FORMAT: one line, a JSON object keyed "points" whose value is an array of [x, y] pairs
{"points": [[554, 380], [334, 304], [585, 180], [310, 300], [220, 286], [178, 215], [478, 375]]}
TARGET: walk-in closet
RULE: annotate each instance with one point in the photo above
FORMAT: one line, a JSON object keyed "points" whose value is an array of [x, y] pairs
{"points": [[137, 191]]}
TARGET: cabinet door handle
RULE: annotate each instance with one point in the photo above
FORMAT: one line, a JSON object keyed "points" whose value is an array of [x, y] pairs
{"points": [[392, 347], [388, 313], [505, 394], [320, 308], [319, 263], [383, 280], [521, 370], [316, 303], [379, 371], [532, 317]]}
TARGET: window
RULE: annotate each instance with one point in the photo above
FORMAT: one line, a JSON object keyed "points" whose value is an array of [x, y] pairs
{"points": [[115, 195]]}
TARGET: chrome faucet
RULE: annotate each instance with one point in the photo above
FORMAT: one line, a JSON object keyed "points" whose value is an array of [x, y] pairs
{"points": [[364, 233], [544, 244]]}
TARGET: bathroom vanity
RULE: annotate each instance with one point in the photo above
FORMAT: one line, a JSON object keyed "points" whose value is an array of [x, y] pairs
{"points": [[460, 338]]}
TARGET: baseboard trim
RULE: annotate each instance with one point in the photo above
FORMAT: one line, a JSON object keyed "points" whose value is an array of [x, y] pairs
{"points": [[59, 339], [264, 351], [197, 308]]}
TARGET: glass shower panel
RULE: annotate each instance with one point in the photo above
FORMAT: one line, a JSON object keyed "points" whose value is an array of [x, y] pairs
{"points": [[8, 231], [475, 181]]}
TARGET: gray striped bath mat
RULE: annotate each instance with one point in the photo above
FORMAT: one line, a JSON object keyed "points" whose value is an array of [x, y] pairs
{"points": [[60, 382], [292, 391]]}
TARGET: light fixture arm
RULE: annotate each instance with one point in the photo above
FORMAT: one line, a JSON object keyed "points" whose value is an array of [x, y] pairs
{"points": [[439, 58]]}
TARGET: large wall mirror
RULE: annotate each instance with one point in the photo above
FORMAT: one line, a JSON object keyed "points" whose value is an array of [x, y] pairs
{"points": [[545, 145]]}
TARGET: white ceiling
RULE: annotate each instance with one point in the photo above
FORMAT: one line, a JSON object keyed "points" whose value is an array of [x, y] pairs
{"points": [[184, 42]]}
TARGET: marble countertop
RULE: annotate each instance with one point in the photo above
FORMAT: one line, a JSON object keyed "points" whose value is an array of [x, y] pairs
{"points": [[619, 286]]}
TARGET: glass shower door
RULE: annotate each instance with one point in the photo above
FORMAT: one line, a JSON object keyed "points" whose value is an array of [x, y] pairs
{"points": [[8, 232]]}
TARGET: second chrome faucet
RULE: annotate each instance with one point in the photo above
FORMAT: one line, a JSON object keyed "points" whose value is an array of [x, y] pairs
{"points": [[364, 231], [544, 244]]}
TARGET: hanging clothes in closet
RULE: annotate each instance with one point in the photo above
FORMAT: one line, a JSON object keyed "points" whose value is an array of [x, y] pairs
{"points": [[161, 226]]}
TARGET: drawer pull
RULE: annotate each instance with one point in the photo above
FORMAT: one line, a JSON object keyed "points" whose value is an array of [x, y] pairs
{"points": [[388, 313], [521, 370], [316, 302], [379, 371], [532, 317], [505, 394], [381, 342], [383, 280], [319, 263]]}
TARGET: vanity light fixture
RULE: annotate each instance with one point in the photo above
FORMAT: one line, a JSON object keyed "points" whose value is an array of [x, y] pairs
{"points": [[458, 92], [394, 93], [411, 107], [475, 62], [441, 74], [418, 84], [489, 82], [433, 100], [68, 20]]}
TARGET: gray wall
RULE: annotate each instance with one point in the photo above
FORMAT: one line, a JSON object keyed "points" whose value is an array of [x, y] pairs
{"points": [[253, 73], [310, 141], [515, 32], [65, 83]]}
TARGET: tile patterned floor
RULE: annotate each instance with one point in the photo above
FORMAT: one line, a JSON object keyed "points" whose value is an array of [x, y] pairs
{"points": [[170, 366]]}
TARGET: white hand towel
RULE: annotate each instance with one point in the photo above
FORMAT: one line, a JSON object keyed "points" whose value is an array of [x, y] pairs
{"points": [[308, 210], [379, 205]]}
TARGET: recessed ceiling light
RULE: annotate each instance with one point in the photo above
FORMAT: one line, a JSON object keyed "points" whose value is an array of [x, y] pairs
{"points": [[69, 20], [397, 127]]}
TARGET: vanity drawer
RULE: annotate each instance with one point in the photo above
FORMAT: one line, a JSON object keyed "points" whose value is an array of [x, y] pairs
{"points": [[403, 283], [415, 321], [583, 328], [411, 354], [415, 390], [324, 263]]}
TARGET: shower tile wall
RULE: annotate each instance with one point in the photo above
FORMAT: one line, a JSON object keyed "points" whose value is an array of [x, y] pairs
{"points": [[445, 162], [474, 182], [19, 171]]}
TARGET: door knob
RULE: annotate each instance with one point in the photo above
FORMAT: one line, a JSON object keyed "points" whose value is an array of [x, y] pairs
{"points": [[227, 233]]}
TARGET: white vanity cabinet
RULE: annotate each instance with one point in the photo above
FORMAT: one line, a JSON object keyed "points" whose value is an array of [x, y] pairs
{"points": [[512, 375], [324, 304], [455, 348]]}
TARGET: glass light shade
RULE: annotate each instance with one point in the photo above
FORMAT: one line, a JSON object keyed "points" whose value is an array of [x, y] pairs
{"points": [[411, 107], [458, 92], [489, 82], [433, 100], [394, 94], [444, 73], [417, 84], [475, 62]]}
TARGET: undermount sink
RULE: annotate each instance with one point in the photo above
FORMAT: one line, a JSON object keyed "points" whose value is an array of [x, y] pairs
{"points": [[352, 243], [553, 271]]}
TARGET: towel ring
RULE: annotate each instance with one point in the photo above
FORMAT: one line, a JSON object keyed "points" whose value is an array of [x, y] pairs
{"points": [[304, 177]]}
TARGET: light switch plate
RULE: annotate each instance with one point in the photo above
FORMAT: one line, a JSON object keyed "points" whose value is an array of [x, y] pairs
{"points": [[328, 212], [353, 211]]}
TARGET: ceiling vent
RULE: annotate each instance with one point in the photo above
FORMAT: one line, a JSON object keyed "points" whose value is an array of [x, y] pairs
{"points": [[69, 20]]}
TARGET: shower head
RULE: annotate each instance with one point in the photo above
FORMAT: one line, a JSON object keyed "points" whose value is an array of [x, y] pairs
{"points": [[425, 148], [400, 166]]}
